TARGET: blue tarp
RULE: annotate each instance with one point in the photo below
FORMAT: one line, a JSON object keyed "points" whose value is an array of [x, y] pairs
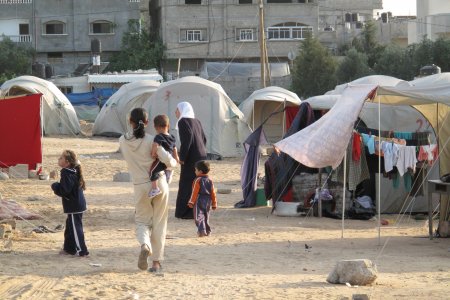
{"points": [[97, 97]]}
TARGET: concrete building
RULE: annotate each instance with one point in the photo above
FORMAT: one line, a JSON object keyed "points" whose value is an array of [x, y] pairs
{"points": [[62, 31], [197, 31], [433, 21]]}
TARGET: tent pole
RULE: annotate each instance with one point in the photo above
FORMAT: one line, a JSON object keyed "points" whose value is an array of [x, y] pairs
{"points": [[319, 199], [379, 173], [343, 193]]}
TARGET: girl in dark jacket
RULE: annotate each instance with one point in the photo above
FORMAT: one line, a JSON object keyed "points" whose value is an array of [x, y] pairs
{"points": [[70, 189]]}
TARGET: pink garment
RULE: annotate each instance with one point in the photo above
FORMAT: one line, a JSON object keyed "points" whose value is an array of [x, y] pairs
{"points": [[428, 153]]}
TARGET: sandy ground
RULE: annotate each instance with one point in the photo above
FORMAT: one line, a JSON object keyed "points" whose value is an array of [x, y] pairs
{"points": [[251, 254]]}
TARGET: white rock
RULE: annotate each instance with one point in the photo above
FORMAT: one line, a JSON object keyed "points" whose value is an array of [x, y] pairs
{"points": [[3, 176], [355, 272]]}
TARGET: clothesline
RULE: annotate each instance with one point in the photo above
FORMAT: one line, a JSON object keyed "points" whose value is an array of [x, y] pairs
{"points": [[411, 138]]}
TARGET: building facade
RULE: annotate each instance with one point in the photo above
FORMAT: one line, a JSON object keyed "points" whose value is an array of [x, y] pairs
{"points": [[195, 31], [61, 31], [433, 21]]}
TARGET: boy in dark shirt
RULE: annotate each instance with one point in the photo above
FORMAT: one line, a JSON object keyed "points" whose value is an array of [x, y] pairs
{"points": [[167, 141]]}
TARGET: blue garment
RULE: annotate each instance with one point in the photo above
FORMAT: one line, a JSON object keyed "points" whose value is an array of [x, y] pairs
{"points": [[403, 135], [369, 141]]}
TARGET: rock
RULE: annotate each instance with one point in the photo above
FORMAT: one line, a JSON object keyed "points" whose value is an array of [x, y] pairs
{"points": [[360, 297], [35, 198], [3, 176], [122, 177], [19, 171], [224, 191], [11, 222], [5, 231], [355, 272], [54, 174]]}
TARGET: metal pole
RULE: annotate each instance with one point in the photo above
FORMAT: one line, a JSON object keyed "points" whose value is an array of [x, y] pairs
{"points": [[262, 44], [343, 194], [379, 173], [319, 198]]}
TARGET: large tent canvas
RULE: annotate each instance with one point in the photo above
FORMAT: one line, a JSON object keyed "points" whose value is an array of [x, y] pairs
{"points": [[112, 119], [24, 115], [222, 121], [324, 143], [59, 116], [399, 118], [262, 103]]}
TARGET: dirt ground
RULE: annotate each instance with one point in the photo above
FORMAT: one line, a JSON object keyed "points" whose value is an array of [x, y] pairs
{"points": [[251, 254]]}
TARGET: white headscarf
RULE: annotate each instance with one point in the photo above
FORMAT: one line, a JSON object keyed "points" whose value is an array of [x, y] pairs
{"points": [[186, 111]]}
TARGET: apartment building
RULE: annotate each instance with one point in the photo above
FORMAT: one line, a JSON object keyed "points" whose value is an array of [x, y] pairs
{"points": [[199, 30], [61, 31], [433, 21]]}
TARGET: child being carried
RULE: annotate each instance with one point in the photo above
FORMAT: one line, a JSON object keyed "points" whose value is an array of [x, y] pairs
{"points": [[167, 141]]}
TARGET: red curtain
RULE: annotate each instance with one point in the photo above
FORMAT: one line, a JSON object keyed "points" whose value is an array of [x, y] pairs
{"points": [[20, 131], [291, 112]]}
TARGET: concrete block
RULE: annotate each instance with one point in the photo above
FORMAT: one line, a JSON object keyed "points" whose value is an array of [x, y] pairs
{"points": [[19, 171], [122, 177], [11, 222]]}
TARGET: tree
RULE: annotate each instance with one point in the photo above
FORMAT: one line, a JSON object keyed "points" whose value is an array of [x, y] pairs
{"points": [[396, 62], [139, 50], [368, 43], [441, 54], [314, 68], [15, 59], [353, 66]]}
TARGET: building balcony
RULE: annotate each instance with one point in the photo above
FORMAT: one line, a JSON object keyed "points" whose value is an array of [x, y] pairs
{"points": [[16, 1], [23, 38]]}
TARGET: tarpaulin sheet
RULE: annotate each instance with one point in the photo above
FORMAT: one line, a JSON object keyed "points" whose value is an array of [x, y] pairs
{"points": [[94, 98], [20, 131]]}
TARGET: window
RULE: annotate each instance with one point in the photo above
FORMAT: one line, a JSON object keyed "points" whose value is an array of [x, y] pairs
{"points": [[53, 57], [55, 27], [279, 1], [245, 1], [16, 1], [102, 27], [246, 34], [289, 31], [193, 2], [24, 29], [193, 35], [65, 89]]}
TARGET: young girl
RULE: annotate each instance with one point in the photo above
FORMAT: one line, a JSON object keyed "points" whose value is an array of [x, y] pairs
{"points": [[70, 189]]}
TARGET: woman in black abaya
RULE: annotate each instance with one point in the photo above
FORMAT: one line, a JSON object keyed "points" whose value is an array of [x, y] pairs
{"points": [[192, 149]]}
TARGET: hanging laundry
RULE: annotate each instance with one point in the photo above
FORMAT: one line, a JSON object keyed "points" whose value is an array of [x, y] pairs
{"points": [[406, 159], [356, 146], [369, 141], [390, 152], [428, 153]]}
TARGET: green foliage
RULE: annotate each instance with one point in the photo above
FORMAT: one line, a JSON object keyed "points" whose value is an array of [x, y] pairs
{"points": [[139, 50], [367, 43], [353, 67], [396, 62], [441, 54], [314, 69], [15, 59]]}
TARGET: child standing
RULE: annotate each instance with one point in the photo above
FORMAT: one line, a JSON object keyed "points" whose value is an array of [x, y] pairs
{"points": [[203, 198], [167, 141], [70, 189]]}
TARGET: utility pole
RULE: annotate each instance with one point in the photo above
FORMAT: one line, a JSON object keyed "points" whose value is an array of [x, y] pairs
{"points": [[262, 44]]}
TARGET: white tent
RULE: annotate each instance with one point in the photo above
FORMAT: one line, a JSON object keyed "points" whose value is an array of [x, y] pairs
{"points": [[261, 103], [399, 118], [324, 142], [112, 119], [222, 121], [58, 113]]}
